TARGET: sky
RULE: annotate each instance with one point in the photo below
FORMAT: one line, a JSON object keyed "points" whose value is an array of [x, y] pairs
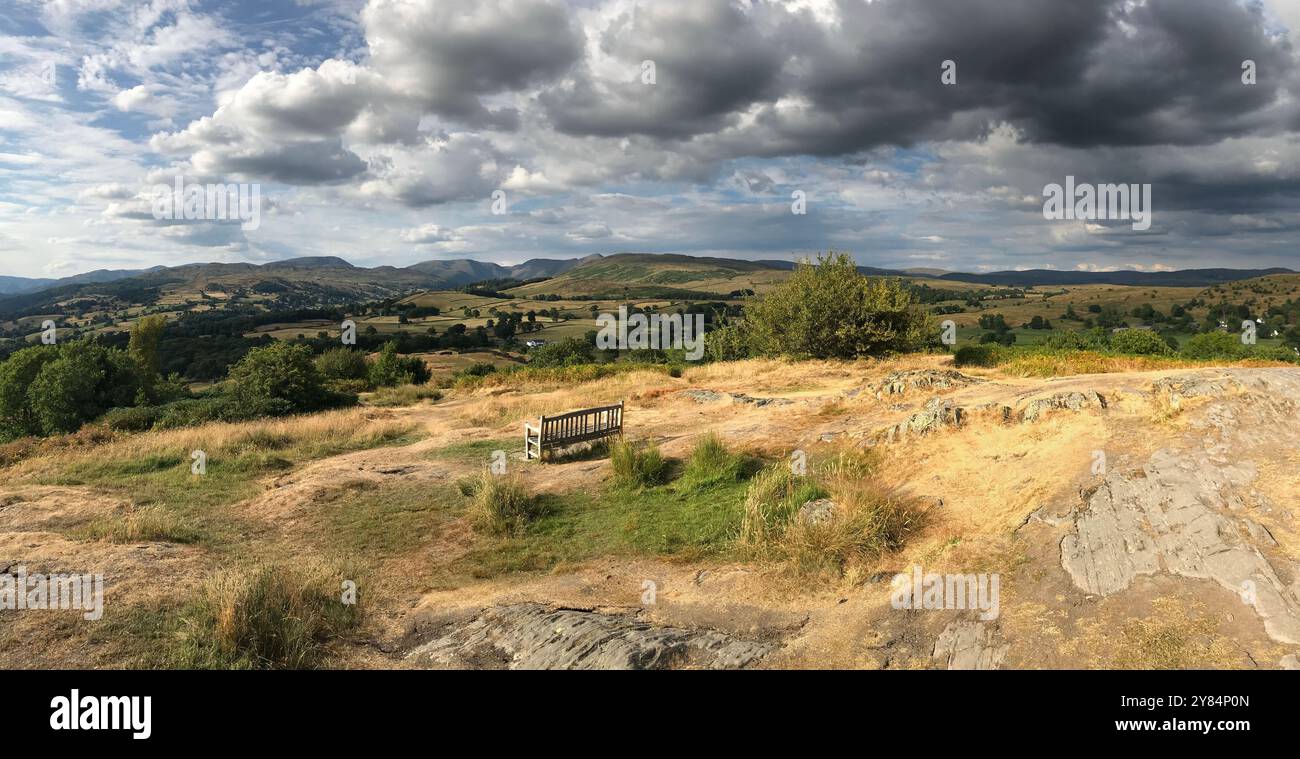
{"points": [[908, 133]]}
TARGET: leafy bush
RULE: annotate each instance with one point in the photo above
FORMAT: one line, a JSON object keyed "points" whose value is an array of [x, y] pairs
{"points": [[570, 351], [132, 419], [1214, 345], [190, 412], [730, 343], [1141, 342], [391, 369], [47, 390], [348, 386], [1090, 340], [636, 467], [343, 364], [827, 309], [976, 355], [277, 379]]}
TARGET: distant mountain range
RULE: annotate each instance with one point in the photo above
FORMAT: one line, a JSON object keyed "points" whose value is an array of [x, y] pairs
{"points": [[459, 272]]}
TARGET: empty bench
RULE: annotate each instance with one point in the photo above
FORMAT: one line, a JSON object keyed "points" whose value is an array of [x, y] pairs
{"points": [[580, 426]]}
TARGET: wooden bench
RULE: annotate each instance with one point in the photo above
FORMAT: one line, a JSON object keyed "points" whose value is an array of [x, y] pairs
{"points": [[580, 426]]}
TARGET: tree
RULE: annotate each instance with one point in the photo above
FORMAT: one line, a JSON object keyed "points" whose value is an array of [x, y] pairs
{"points": [[391, 369], [17, 417], [143, 345], [343, 364], [276, 379], [1214, 345], [1142, 342], [49, 390], [566, 352], [827, 309]]}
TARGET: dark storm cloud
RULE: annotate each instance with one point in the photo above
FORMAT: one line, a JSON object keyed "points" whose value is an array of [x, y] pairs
{"points": [[1079, 73]]}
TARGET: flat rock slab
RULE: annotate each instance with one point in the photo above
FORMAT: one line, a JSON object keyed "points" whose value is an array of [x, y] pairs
{"points": [[1186, 511], [535, 636], [967, 644], [896, 383], [1071, 401]]}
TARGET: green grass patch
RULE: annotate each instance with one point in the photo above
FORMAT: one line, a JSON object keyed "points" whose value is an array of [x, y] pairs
{"points": [[575, 527], [475, 451]]}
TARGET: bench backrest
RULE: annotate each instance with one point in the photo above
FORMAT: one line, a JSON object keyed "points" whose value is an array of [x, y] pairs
{"points": [[575, 424]]}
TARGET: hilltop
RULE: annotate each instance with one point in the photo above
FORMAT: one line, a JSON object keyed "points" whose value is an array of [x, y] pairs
{"points": [[1108, 566]]}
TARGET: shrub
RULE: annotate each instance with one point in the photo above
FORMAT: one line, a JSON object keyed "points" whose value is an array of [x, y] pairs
{"points": [[1214, 345], [1141, 342], [827, 309], [710, 463], [132, 419], [730, 343], [69, 386], [1090, 340], [976, 355], [268, 616], [348, 386], [343, 364], [637, 467], [501, 504], [391, 369], [277, 379], [567, 352], [191, 412]]}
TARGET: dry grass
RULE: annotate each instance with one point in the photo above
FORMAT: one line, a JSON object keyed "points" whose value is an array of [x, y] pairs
{"points": [[143, 524], [1066, 363], [497, 410], [316, 435], [870, 519], [269, 616], [403, 395]]}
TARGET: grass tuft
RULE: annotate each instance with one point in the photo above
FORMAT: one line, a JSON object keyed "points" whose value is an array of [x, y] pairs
{"points": [[502, 505], [142, 524], [710, 465], [637, 466], [268, 616]]}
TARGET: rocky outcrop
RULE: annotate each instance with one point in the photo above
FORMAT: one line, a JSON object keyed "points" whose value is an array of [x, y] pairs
{"points": [[937, 414], [820, 511], [924, 379], [1073, 401], [534, 636], [1173, 515], [968, 644], [712, 396]]}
